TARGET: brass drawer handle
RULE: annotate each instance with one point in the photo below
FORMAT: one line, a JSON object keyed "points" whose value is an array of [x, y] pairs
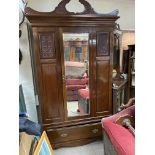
{"points": [[64, 135], [95, 130]]}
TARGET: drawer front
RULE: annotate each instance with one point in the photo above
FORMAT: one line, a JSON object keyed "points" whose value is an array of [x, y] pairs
{"points": [[74, 133]]}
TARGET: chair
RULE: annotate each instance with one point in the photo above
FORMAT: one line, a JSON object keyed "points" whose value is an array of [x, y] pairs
{"points": [[118, 139], [83, 101]]}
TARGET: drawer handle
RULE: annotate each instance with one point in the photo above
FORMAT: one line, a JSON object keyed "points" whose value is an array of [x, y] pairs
{"points": [[64, 135], [95, 130]]}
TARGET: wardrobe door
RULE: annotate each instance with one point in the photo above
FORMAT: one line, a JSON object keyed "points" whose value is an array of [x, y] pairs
{"points": [[48, 74], [103, 72]]}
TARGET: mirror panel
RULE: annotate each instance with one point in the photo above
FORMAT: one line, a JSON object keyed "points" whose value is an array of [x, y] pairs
{"points": [[76, 73]]}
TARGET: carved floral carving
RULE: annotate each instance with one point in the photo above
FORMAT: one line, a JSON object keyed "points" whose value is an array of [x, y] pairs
{"points": [[47, 48], [102, 43]]}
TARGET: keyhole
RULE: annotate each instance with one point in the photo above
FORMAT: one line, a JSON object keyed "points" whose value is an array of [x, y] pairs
{"points": [[75, 6]]}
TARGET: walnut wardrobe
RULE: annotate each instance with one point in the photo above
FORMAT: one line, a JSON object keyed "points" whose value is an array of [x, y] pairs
{"points": [[72, 57]]}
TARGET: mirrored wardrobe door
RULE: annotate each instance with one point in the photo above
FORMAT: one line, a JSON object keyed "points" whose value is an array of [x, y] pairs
{"points": [[76, 73]]}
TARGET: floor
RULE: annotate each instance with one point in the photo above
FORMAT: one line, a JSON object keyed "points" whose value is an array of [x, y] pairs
{"points": [[95, 148]]}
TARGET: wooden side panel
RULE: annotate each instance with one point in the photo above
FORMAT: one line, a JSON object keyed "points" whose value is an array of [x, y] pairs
{"points": [[51, 107], [48, 74], [103, 73], [102, 85]]}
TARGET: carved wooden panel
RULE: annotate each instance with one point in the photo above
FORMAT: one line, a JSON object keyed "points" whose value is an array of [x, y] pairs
{"points": [[47, 45], [61, 8], [102, 43]]}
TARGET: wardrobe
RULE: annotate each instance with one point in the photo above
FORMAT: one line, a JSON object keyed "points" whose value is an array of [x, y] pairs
{"points": [[76, 121]]}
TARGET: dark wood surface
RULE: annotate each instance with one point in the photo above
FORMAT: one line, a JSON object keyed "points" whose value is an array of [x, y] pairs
{"points": [[47, 29], [75, 133], [103, 105], [48, 74], [76, 142], [131, 89]]}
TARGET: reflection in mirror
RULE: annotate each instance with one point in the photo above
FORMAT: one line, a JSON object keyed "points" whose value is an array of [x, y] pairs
{"points": [[76, 62]]}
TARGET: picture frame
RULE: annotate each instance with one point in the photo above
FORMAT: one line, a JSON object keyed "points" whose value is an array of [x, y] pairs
{"points": [[44, 147]]}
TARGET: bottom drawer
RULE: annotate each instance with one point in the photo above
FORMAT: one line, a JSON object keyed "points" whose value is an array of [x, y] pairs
{"points": [[74, 133]]}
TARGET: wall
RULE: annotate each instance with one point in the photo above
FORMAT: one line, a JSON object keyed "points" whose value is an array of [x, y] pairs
{"points": [[25, 75], [126, 21]]}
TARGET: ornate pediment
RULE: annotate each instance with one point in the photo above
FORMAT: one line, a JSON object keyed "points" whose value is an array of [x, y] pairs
{"points": [[61, 10]]}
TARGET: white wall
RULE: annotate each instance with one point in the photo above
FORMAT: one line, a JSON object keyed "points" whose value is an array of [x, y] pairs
{"points": [[126, 21], [25, 75]]}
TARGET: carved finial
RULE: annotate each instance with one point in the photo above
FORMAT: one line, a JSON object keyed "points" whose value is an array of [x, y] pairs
{"points": [[61, 8], [88, 7]]}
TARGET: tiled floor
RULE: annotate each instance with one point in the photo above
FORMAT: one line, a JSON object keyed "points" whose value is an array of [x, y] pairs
{"points": [[95, 148]]}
